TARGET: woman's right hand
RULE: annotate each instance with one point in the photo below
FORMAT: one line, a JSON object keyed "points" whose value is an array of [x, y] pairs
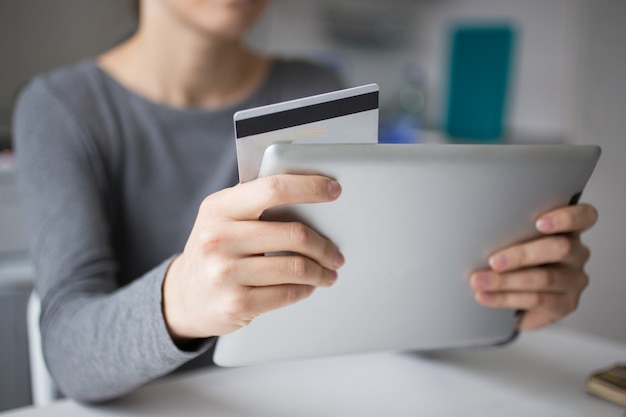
{"points": [[222, 280]]}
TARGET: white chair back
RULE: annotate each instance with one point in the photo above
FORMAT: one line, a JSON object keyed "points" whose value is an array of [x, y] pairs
{"points": [[42, 385]]}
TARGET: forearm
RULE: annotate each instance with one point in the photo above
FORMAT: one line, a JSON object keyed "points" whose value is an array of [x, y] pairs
{"points": [[102, 346]]}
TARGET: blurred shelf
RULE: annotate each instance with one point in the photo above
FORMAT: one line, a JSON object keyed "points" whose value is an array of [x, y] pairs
{"points": [[437, 136]]}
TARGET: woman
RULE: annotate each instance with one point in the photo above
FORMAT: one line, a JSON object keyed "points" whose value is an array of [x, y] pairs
{"points": [[116, 158]]}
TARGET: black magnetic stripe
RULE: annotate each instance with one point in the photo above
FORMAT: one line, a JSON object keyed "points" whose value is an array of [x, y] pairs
{"points": [[309, 114]]}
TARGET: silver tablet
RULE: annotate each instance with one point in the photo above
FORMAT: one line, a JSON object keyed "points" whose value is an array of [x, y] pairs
{"points": [[413, 221]]}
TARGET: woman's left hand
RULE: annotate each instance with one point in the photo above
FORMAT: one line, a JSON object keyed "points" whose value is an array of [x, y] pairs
{"points": [[544, 277]]}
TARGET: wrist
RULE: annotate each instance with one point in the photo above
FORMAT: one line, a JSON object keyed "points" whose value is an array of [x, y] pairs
{"points": [[169, 303]]}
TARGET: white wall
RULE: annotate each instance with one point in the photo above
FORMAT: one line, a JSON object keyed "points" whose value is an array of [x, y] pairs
{"points": [[601, 119]]}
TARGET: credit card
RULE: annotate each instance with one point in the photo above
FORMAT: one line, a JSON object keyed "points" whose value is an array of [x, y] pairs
{"points": [[344, 116]]}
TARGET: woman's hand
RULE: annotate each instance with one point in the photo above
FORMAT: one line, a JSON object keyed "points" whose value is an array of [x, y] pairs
{"points": [[544, 277], [222, 280]]}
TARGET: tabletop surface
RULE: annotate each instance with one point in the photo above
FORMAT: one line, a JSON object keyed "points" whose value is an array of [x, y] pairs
{"points": [[542, 374]]}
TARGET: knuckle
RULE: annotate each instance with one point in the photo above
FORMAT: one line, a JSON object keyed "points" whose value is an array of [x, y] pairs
{"points": [[299, 267], [565, 219], [298, 233], [546, 278], [295, 293], [274, 186], [208, 205], [205, 204], [292, 294], [238, 305], [586, 253], [534, 300], [329, 249], [223, 271], [529, 280], [521, 255], [212, 239], [305, 291], [564, 246], [501, 301]]}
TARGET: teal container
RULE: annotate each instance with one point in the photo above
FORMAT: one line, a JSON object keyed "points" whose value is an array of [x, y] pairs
{"points": [[480, 66]]}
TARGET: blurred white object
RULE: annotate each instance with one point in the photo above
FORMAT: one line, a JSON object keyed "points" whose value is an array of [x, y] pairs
{"points": [[370, 24], [13, 239], [43, 389]]}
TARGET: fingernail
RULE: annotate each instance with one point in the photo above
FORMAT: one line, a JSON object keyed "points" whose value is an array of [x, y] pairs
{"points": [[332, 277], [480, 281], [339, 260], [334, 189], [498, 262], [545, 224]]}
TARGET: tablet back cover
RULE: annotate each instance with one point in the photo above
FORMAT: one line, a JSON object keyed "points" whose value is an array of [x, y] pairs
{"points": [[413, 221]]}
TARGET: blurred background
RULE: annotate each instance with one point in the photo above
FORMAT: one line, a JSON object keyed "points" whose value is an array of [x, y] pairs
{"points": [[550, 71]]}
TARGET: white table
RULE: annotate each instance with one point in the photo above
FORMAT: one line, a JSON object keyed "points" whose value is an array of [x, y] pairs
{"points": [[542, 374]]}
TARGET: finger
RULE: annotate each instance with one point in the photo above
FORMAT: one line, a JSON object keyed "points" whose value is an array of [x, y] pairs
{"points": [[555, 304], [249, 200], [576, 218], [546, 279], [246, 303], [261, 271], [551, 249], [533, 320], [254, 237], [264, 299]]}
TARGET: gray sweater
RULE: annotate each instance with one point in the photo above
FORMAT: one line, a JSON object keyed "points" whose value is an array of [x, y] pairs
{"points": [[111, 183]]}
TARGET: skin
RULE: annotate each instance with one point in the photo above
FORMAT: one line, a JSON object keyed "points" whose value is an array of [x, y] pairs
{"points": [[189, 53], [232, 284], [544, 277]]}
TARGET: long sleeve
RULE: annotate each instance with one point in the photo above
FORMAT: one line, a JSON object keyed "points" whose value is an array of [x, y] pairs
{"points": [[111, 184], [100, 340]]}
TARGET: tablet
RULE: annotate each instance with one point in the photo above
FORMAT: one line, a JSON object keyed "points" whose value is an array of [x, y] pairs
{"points": [[413, 221]]}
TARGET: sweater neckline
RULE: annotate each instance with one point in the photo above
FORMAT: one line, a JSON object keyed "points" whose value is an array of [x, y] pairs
{"points": [[247, 102]]}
